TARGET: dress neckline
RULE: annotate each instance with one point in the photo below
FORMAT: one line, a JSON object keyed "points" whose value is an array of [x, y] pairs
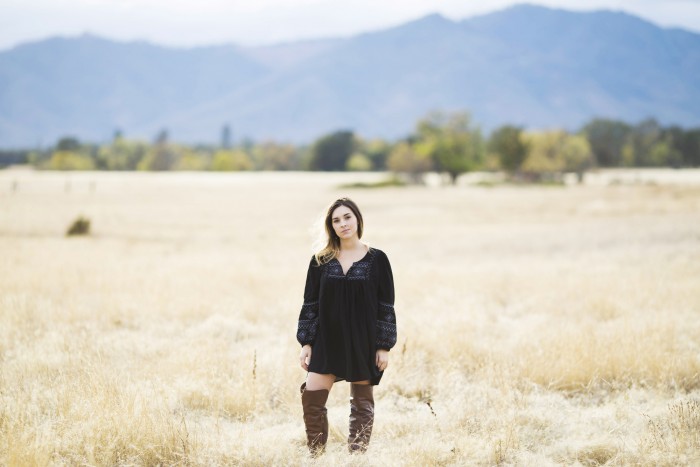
{"points": [[345, 273]]}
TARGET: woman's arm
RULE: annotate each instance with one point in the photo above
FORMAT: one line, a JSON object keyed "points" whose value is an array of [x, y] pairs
{"points": [[308, 316], [386, 316]]}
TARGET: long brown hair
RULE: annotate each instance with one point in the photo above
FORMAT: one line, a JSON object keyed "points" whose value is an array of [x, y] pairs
{"points": [[332, 248]]}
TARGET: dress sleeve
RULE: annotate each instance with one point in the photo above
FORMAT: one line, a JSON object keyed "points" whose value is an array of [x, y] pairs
{"points": [[308, 316], [386, 317]]}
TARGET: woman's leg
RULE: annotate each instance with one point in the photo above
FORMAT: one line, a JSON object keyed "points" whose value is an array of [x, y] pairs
{"points": [[314, 394], [316, 381], [361, 415]]}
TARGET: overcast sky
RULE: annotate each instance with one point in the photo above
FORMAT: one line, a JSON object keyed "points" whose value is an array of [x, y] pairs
{"points": [[254, 22]]}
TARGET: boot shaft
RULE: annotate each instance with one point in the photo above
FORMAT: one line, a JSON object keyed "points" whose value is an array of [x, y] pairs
{"points": [[315, 418], [361, 417]]}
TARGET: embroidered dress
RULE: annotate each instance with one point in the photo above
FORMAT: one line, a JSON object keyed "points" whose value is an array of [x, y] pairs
{"points": [[347, 317]]}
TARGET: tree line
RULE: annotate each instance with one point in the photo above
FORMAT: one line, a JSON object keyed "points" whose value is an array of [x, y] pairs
{"points": [[450, 143]]}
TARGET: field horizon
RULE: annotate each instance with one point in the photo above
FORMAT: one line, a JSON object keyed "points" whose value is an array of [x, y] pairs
{"points": [[537, 325]]}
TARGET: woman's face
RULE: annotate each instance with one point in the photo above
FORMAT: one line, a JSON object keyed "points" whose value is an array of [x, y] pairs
{"points": [[344, 222]]}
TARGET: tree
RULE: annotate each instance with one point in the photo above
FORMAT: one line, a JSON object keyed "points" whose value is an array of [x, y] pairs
{"points": [[545, 161], [13, 156], [577, 155], [663, 153], [359, 162], [70, 160], [404, 159], [691, 148], [643, 137], [508, 144], [451, 141], [685, 144], [331, 152], [230, 160], [162, 155], [552, 153], [68, 143], [273, 156], [162, 137], [226, 137], [193, 159], [377, 151], [121, 154], [607, 138], [159, 157]]}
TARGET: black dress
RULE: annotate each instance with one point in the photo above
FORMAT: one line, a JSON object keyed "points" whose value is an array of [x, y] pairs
{"points": [[347, 317]]}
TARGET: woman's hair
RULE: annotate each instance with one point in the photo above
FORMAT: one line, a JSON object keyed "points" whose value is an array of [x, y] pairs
{"points": [[329, 237]]}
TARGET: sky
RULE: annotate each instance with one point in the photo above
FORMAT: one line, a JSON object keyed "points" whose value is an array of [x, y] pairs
{"points": [[259, 22]]}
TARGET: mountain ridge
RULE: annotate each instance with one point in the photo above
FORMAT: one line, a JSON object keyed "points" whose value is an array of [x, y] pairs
{"points": [[527, 65]]}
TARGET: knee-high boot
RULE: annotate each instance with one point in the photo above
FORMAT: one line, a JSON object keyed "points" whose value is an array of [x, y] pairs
{"points": [[315, 418], [361, 417]]}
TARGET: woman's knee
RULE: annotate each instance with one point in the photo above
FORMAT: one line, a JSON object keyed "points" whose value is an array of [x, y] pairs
{"points": [[316, 381]]}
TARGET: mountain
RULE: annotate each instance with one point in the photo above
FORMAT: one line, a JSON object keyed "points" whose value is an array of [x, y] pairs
{"points": [[90, 86], [526, 65]]}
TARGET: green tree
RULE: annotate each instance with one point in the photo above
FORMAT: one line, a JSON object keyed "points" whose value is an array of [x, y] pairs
{"points": [[162, 155], [663, 153], [68, 143], [274, 156], [629, 157], [377, 150], [159, 157], [68, 154], [359, 162], [686, 144], [508, 144], [552, 153], [577, 155], [451, 141], [231, 160], [545, 160], [70, 160], [331, 152], [404, 159], [192, 159], [607, 138], [121, 154], [643, 138], [691, 148]]}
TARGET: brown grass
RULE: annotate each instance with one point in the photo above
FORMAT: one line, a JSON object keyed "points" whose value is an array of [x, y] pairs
{"points": [[537, 326]]}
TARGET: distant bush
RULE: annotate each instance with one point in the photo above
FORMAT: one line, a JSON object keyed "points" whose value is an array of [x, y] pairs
{"points": [[231, 160], [393, 181], [80, 226], [70, 160]]}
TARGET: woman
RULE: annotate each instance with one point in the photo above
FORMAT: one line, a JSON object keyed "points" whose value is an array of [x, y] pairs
{"points": [[346, 326]]}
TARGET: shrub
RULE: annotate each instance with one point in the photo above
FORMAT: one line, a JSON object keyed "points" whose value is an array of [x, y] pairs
{"points": [[80, 226]]}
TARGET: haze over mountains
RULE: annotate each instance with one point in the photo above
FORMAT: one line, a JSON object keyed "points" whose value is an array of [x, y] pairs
{"points": [[526, 65]]}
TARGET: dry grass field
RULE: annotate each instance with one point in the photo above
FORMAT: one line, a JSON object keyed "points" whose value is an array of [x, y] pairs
{"points": [[537, 325]]}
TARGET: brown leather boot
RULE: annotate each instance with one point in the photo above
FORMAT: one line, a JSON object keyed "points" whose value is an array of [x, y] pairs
{"points": [[315, 418], [361, 417]]}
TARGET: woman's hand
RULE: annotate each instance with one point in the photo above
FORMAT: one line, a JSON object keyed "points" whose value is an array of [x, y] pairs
{"points": [[382, 360], [305, 357]]}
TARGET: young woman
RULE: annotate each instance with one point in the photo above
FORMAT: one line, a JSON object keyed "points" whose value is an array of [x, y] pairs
{"points": [[346, 326]]}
